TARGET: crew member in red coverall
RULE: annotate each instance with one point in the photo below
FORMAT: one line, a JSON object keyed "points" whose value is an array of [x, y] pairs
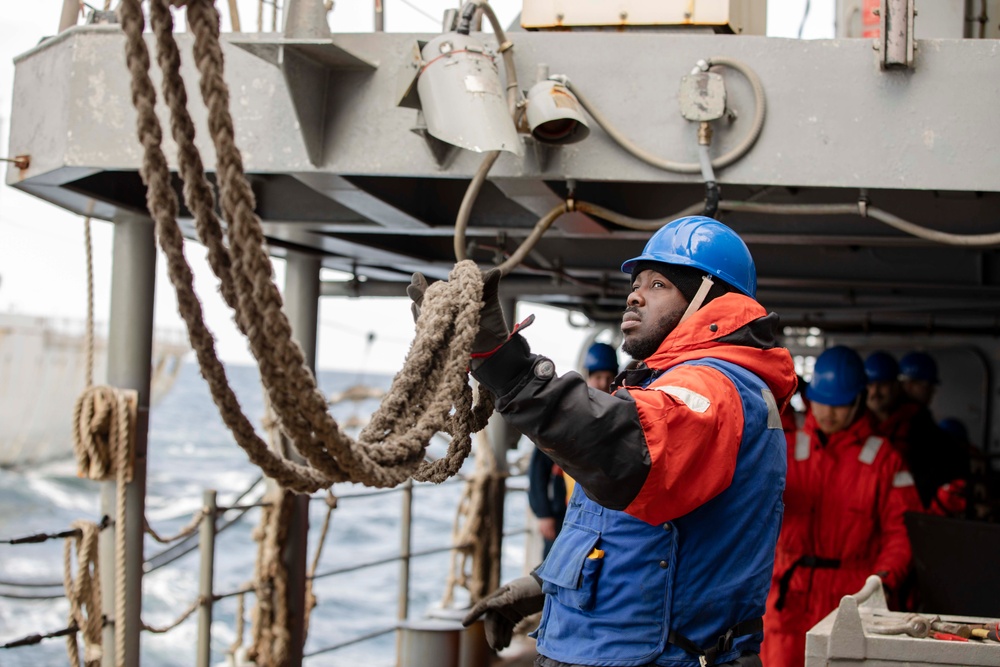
{"points": [[845, 495], [934, 457]]}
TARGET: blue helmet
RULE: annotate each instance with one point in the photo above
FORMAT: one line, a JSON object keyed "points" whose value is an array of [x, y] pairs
{"points": [[705, 244], [918, 366], [838, 377], [601, 357], [955, 428], [881, 367]]}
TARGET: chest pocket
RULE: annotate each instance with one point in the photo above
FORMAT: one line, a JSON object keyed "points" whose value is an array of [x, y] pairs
{"points": [[570, 571]]}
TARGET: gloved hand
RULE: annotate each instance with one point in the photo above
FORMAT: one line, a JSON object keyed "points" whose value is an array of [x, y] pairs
{"points": [[506, 607], [493, 331], [415, 290]]}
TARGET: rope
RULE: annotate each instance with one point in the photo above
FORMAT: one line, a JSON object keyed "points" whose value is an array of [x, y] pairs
{"points": [[269, 619], [472, 531], [83, 590], [238, 630], [331, 504], [185, 615], [90, 297], [430, 393], [186, 531]]}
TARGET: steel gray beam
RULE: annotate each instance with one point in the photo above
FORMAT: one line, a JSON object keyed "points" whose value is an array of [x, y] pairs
{"points": [[350, 195], [841, 129], [538, 198]]}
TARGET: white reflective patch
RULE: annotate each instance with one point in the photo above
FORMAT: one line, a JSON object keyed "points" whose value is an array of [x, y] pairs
{"points": [[692, 399], [773, 414], [802, 446], [902, 478], [870, 450]]}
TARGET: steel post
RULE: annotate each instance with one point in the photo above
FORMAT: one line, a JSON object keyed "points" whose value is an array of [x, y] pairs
{"points": [[130, 351], [405, 548], [302, 308], [70, 14], [206, 547]]}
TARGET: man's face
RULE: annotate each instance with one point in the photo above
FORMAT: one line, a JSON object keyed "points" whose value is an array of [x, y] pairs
{"points": [[833, 418], [882, 396], [600, 380], [654, 309], [921, 391]]}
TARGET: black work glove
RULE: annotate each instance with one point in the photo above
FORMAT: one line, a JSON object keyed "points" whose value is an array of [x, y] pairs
{"points": [[505, 607], [493, 331]]}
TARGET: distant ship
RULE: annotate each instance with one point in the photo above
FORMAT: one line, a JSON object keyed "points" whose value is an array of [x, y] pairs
{"points": [[43, 369]]}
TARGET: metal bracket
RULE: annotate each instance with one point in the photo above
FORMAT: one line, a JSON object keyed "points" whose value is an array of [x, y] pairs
{"points": [[896, 43], [306, 55], [442, 152]]}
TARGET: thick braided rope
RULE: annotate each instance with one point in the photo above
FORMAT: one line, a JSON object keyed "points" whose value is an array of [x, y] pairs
{"points": [[162, 204], [83, 590], [204, 21], [396, 451]]}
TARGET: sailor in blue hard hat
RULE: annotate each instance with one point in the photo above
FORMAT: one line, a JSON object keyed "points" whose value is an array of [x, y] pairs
{"points": [[918, 373], [702, 259], [837, 389], [669, 536], [883, 384], [601, 364]]}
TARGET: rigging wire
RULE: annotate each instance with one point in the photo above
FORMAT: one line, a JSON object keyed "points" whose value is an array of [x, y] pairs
{"points": [[805, 16]]}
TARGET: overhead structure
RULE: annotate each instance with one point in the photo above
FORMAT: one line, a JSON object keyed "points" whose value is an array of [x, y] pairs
{"points": [[338, 168]]}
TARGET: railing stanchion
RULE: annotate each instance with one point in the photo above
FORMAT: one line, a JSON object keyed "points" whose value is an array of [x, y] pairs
{"points": [[405, 546], [206, 579]]}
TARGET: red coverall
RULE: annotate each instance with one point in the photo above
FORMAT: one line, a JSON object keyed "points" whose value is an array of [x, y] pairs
{"points": [[844, 504]]}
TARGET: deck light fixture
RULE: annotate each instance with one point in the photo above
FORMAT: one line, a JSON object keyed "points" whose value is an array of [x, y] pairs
{"points": [[461, 96], [554, 114]]}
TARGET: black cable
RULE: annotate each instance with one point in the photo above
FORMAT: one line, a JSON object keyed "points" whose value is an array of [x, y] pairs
{"points": [[712, 195], [169, 555], [22, 596], [45, 537], [31, 640]]}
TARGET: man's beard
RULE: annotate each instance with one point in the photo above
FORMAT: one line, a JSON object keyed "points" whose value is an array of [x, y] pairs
{"points": [[644, 346]]}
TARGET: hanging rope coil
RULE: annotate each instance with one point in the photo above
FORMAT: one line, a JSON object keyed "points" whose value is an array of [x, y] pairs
{"points": [[83, 590], [430, 394]]}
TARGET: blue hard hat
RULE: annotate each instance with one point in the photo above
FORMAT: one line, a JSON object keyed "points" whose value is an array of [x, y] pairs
{"points": [[838, 377], [881, 367], [706, 244], [601, 357], [954, 428], [918, 366]]}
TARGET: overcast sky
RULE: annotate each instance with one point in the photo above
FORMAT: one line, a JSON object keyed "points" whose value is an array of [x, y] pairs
{"points": [[42, 258]]}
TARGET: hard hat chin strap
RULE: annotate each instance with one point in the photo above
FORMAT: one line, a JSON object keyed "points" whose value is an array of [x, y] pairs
{"points": [[699, 298]]}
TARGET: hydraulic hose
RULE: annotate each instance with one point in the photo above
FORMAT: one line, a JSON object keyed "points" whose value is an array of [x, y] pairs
{"points": [[864, 210], [472, 191], [712, 192], [688, 167], [637, 224], [858, 208]]}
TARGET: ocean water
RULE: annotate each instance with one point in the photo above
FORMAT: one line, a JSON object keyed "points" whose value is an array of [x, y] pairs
{"points": [[191, 450]]}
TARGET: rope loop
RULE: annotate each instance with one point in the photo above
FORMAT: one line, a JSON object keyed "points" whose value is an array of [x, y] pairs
{"points": [[83, 590]]}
